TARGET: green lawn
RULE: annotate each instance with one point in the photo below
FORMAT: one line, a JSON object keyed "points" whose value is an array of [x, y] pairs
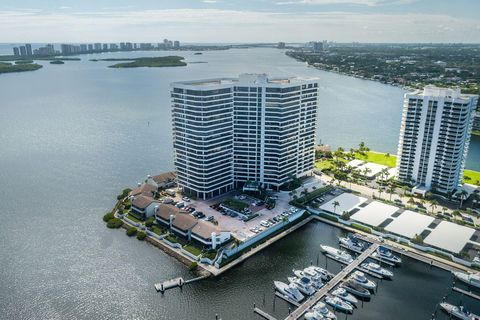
{"points": [[133, 218], [379, 158], [235, 204], [158, 230], [192, 249], [472, 177]]}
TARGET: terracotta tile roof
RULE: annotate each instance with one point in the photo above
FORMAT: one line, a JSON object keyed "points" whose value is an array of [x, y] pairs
{"points": [[184, 221], [141, 202], [164, 177], [144, 189], [165, 210], [204, 229]]}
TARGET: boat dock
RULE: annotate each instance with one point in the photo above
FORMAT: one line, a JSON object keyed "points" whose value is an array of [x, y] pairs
{"points": [[300, 311], [174, 283], [467, 293], [263, 314]]}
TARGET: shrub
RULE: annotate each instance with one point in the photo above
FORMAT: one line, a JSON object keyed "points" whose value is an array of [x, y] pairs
{"points": [[361, 228], [148, 224], [328, 217], [124, 193], [114, 223], [131, 231], [417, 239], [345, 216], [193, 266], [108, 216], [141, 235]]}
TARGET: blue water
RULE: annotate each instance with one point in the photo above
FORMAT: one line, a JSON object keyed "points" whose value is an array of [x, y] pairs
{"points": [[72, 136]]}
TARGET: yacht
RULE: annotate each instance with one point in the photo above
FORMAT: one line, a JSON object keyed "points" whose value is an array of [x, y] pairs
{"points": [[385, 254], [311, 315], [359, 277], [315, 279], [344, 295], [303, 284], [320, 311], [351, 243], [339, 255], [375, 268], [469, 278], [339, 304], [288, 290], [458, 312], [356, 289], [324, 274]]}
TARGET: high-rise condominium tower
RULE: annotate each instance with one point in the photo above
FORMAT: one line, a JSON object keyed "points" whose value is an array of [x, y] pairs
{"points": [[230, 131], [434, 137]]}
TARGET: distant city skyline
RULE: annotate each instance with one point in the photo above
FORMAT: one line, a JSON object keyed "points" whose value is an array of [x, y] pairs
{"points": [[234, 21]]}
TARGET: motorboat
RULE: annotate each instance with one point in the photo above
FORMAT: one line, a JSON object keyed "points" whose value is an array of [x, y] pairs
{"points": [[344, 295], [386, 254], [469, 278], [458, 312], [315, 279], [340, 255], [311, 315], [352, 243], [324, 274], [303, 284], [339, 304], [356, 289], [320, 311], [377, 269], [289, 290], [359, 277]]}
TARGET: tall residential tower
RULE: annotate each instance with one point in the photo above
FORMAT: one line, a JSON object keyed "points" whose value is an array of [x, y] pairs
{"points": [[253, 128], [434, 138]]}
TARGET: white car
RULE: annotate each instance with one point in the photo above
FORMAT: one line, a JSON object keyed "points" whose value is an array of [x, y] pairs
{"points": [[186, 199]]}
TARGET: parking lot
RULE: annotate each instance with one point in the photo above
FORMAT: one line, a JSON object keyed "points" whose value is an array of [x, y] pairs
{"points": [[240, 229]]}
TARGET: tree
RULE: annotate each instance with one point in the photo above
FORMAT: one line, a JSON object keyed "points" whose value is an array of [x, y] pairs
{"points": [[391, 190], [335, 205], [387, 155], [366, 171], [433, 204], [463, 196], [411, 201]]}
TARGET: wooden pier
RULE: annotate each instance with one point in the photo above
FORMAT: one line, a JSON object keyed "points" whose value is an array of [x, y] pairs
{"points": [[467, 293], [263, 314], [174, 283], [300, 311]]}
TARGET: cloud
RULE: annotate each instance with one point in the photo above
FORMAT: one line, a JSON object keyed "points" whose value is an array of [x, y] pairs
{"points": [[209, 1], [370, 3], [216, 25]]}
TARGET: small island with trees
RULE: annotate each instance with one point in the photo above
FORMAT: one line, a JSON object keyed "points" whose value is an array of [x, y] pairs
{"points": [[154, 62], [7, 67]]}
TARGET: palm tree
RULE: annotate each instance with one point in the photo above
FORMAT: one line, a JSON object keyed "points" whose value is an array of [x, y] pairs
{"points": [[366, 171], [433, 204], [411, 201], [391, 190], [335, 205], [463, 196], [305, 194]]}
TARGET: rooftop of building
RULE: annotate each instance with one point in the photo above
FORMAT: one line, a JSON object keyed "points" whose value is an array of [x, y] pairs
{"points": [[434, 91], [245, 79]]}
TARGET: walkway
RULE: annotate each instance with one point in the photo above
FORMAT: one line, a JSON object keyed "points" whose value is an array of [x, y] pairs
{"points": [[332, 283]]}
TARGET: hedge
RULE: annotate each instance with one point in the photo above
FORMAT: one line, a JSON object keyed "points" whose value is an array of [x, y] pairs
{"points": [[108, 216], [141, 235], [361, 228], [114, 223], [131, 231]]}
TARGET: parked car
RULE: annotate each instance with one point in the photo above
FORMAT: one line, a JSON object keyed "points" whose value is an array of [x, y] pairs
{"points": [[180, 205], [186, 199], [210, 218]]}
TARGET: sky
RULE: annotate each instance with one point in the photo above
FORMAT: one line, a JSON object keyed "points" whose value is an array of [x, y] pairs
{"points": [[239, 21]]}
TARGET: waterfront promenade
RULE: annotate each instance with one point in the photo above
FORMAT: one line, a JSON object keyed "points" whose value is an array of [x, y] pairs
{"points": [[300, 311]]}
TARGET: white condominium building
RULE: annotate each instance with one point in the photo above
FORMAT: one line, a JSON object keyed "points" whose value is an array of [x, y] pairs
{"points": [[434, 137], [232, 130]]}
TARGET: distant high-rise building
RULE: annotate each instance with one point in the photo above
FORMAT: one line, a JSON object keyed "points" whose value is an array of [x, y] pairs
{"points": [[250, 130], [97, 46], [434, 138], [122, 46], [281, 45], [176, 44], [23, 51], [135, 46], [83, 48], [317, 46], [45, 51], [16, 52], [128, 46], [90, 47], [28, 48], [105, 47]]}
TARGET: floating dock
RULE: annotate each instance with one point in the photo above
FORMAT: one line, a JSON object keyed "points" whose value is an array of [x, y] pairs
{"points": [[467, 293], [263, 314], [174, 283]]}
